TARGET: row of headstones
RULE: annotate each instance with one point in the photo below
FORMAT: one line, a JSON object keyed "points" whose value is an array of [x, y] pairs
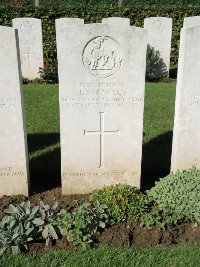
{"points": [[101, 95], [31, 45]]}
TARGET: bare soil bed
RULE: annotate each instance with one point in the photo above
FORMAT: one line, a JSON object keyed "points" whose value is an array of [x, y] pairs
{"points": [[121, 234]]}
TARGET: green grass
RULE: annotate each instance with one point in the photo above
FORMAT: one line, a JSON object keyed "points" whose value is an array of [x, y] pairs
{"points": [[119, 257], [42, 117], [42, 120], [158, 127]]}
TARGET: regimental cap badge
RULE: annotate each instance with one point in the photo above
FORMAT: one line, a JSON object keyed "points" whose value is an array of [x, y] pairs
{"points": [[102, 56]]}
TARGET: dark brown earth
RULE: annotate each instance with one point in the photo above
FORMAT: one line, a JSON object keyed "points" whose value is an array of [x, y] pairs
{"points": [[121, 234]]}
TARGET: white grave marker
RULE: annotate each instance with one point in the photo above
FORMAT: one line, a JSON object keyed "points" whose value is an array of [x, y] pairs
{"points": [[116, 21], [159, 36], [191, 21], [31, 47], [186, 143], [13, 143], [102, 80], [37, 3], [64, 22]]}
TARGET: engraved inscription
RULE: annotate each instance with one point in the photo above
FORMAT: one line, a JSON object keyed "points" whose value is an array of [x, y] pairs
{"points": [[158, 26], [10, 171], [26, 52], [26, 28], [194, 100], [120, 174], [102, 56], [101, 133], [7, 102], [102, 95]]}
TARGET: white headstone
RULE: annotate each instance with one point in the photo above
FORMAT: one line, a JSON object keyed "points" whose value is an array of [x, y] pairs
{"points": [[64, 22], [101, 80], [31, 47], [159, 36], [13, 152], [191, 21], [186, 133], [37, 3], [116, 21]]}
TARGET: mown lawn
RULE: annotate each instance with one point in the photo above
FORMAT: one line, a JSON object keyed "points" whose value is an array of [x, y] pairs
{"points": [[42, 116], [119, 257]]}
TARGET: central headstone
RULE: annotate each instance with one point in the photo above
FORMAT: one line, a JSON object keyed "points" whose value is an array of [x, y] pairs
{"points": [[102, 80], [116, 21], [65, 22]]}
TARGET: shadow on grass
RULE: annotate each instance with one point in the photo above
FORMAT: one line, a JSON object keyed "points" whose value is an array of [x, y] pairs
{"points": [[45, 170], [41, 141], [156, 160]]}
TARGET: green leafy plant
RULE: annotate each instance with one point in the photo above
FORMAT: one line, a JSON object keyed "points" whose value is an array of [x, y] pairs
{"points": [[178, 195], [155, 67], [14, 241], [155, 217], [82, 223], [47, 221], [17, 227], [49, 73], [124, 202]]}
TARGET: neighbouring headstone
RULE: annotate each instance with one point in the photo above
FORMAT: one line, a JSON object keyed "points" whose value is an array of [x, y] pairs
{"points": [[37, 3], [116, 21], [31, 47], [159, 36], [13, 152], [191, 21], [64, 22], [101, 81], [186, 142]]}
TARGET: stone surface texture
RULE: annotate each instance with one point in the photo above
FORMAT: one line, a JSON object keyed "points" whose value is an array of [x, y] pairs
{"points": [[63, 22], [186, 144], [159, 36], [13, 143], [116, 21], [101, 94], [191, 21], [31, 46]]}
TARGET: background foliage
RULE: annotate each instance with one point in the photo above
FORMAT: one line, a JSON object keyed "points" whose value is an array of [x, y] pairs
{"points": [[106, 2], [94, 13]]}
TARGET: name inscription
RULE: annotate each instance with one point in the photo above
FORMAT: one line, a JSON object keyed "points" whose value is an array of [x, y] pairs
{"points": [[102, 95]]}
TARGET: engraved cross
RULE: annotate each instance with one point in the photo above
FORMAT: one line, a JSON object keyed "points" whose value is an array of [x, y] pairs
{"points": [[101, 133], [27, 52]]}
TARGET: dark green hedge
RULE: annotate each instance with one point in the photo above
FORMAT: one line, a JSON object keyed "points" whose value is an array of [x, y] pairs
{"points": [[103, 2], [95, 14]]}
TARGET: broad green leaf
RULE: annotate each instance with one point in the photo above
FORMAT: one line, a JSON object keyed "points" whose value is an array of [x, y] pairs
{"points": [[45, 232], [38, 221], [52, 231]]}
